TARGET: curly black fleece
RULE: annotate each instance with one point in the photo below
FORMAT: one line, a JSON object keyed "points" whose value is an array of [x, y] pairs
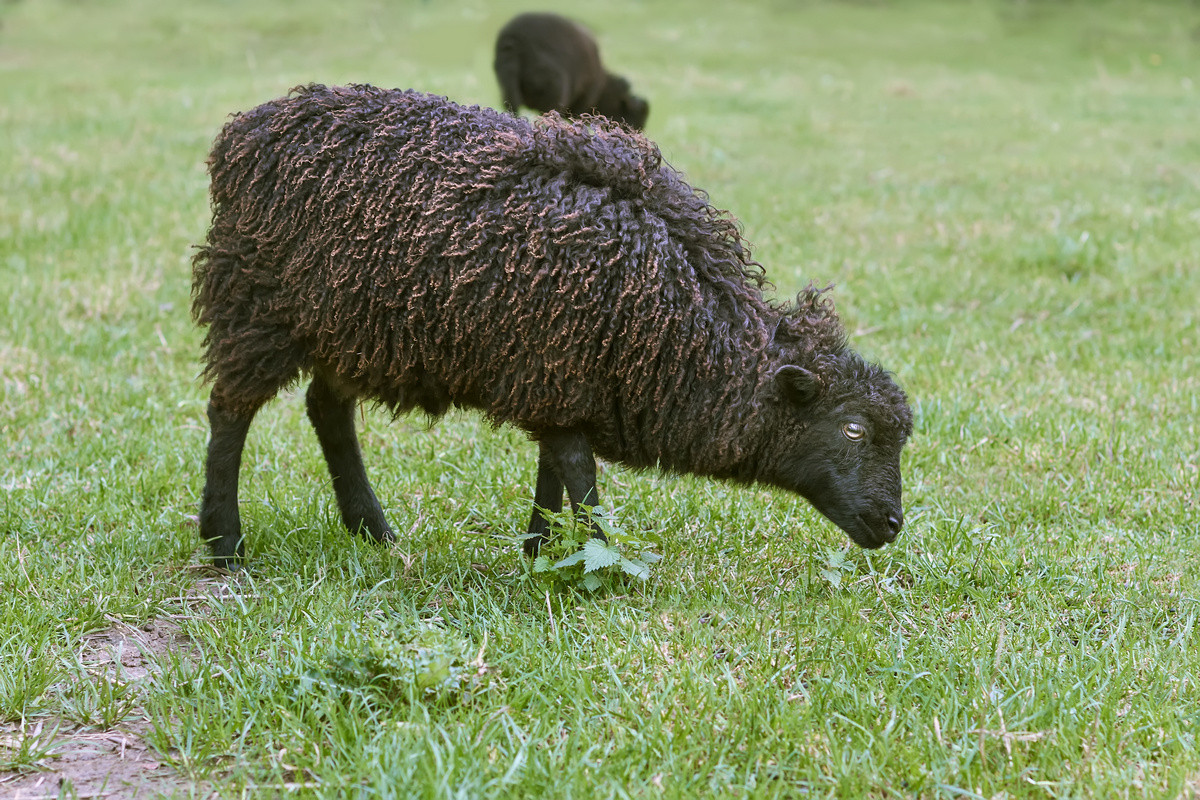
{"points": [[553, 275]]}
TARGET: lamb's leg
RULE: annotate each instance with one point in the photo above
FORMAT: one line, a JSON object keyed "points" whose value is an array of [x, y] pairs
{"points": [[569, 458], [332, 417], [548, 496], [220, 523]]}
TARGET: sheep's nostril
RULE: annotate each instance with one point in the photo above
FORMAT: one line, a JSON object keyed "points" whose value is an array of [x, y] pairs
{"points": [[894, 524]]}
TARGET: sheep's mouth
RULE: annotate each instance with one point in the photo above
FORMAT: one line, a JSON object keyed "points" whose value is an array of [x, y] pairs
{"points": [[870, 532]]}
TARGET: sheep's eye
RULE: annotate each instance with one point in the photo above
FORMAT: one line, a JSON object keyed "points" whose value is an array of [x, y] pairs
{"points": [[853, 431]]}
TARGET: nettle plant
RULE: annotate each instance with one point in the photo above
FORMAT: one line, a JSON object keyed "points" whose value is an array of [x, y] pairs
{"points": [[572, 556]]}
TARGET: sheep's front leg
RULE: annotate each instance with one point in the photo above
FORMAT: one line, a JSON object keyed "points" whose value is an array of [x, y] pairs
{"points": [[564, 459], [332, 416], [220, 523], [547, 496]]}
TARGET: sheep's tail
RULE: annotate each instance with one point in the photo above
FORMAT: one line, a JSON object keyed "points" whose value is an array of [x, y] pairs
{"points": [[246, 191], [225, 274], [216, 260]]}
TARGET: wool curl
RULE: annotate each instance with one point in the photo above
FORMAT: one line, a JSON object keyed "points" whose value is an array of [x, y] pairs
{"points": [[553, 275]]}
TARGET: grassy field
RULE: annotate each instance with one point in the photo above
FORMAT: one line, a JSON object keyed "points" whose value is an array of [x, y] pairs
{"points": [[1007, 195]]}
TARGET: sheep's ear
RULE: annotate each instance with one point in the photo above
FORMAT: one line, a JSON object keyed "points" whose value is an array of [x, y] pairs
{"points": [[797, 384]]}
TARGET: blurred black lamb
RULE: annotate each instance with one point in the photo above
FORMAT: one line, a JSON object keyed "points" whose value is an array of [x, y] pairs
{"points": [[557, 276], [551, 63]]}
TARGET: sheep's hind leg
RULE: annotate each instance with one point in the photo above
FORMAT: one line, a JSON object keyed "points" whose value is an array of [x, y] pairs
{"points": [[220, 523], [332, 416], [564, 455]]}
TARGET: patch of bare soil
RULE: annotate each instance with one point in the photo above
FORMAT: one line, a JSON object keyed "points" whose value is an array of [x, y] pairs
{"points": [[92, 764], [117, 763]]}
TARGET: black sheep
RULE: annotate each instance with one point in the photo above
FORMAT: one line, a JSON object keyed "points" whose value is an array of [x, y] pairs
{"points": [[550, 63], [558, 277]]}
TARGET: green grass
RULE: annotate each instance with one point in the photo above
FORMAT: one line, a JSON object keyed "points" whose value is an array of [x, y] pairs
{"points": [[1007, 196]]}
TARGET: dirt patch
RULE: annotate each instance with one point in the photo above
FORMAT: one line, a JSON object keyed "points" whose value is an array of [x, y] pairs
{"points": [[127, 654], [82, 763], [85, 757]]}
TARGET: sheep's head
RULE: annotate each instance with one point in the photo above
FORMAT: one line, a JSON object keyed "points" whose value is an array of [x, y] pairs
{"points": [[837, 425], [618, 102], [839, 446]]}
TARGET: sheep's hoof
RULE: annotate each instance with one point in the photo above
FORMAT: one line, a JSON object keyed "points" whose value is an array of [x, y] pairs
{"points": [[532, 545], [230, 565]]}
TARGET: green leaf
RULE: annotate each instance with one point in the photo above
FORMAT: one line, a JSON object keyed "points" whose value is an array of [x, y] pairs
{"points": [[542, 564], [836, 559], [606, 525], [833, 576], [591, 582], [599, 555], [635, 567], [572, 559]]}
